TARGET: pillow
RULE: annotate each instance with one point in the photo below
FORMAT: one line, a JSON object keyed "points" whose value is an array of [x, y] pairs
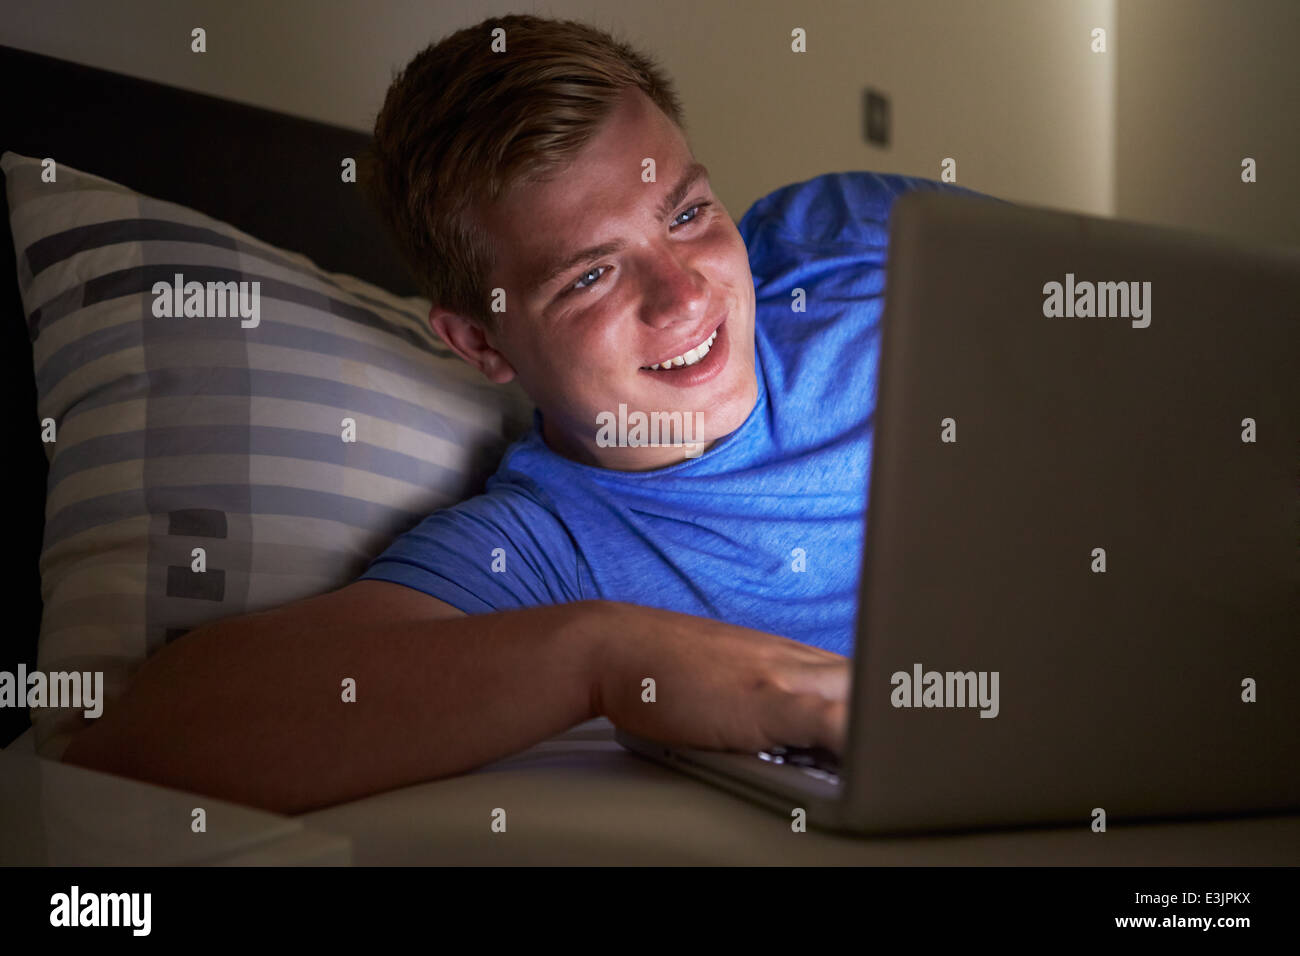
{"points": [[291, 442]]}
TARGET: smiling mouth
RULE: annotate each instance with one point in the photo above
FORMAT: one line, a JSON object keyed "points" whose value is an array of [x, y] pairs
{"points": [[689, 357]]}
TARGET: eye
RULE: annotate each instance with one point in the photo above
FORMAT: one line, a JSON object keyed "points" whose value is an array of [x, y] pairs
{"points": [[582, 285], [579, 287], [698, 208]]}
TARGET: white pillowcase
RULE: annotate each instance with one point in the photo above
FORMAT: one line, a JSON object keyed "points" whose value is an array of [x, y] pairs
{"points": [[175, 434]]}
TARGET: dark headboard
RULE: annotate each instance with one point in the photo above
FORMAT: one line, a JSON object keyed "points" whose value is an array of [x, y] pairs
{"points": [[276, 177]]}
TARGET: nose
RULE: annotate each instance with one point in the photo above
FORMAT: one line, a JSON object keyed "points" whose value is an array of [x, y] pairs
{"points": [[675, 293]]}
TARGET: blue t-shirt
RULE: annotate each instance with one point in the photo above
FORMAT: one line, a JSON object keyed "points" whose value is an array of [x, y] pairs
{"points": [[763, 530]]}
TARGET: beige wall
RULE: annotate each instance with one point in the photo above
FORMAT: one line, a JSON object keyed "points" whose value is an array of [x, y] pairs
{"points": [[1008, 88], [1202, 84]]}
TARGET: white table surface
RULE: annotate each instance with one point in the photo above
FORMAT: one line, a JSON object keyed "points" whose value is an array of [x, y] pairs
{"points": [[580, 798], [54, 814]]}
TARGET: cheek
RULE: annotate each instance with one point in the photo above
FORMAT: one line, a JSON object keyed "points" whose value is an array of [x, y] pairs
{"points": [[606, 345], [582, 368], [735, 254]]}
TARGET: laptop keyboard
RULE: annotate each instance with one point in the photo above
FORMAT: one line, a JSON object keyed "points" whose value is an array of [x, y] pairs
{"points": [[815, 761]]}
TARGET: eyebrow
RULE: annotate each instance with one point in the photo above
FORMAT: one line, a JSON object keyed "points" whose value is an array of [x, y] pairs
{"points": [[557, 267]]}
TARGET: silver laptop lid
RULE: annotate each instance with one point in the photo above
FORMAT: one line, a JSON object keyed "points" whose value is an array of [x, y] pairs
{"points": [[1023, 444]]}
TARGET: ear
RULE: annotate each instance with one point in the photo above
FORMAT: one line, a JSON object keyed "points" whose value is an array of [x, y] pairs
{"points": [[471, 343]]}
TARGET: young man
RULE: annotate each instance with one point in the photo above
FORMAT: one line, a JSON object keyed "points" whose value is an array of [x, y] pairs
{"points": [[517, 177]]}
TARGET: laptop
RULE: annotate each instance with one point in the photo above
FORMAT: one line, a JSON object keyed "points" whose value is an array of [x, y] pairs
{"points": [[1080, 590]]}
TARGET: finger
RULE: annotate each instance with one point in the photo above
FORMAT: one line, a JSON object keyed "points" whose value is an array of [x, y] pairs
{"points": [[798, 720], [836, 731], [830, 680]]}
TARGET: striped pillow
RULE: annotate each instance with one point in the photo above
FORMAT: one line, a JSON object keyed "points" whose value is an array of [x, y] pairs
{"points": [[227, 433]]}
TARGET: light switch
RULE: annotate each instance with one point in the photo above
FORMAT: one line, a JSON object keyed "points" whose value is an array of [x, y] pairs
{"points": [[875, 106]]}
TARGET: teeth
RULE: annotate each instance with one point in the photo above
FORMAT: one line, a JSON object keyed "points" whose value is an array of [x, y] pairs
{"points": [[691, 357]]}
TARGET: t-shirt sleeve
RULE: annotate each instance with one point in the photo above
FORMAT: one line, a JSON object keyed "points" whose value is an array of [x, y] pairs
{"points": [[848, 210], [495, 552]]}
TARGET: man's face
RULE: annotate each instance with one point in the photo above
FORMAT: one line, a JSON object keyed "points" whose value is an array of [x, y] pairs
{"points": [[581, 341]]}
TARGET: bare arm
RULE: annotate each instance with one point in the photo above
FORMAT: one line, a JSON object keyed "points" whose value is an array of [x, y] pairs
{"points": [[249, 709]]}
